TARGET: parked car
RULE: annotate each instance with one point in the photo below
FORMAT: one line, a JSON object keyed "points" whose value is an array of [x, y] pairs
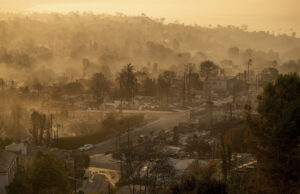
{"points": [[86, 147]]}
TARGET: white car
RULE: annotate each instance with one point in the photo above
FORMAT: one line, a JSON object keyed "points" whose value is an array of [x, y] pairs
{"points": [[86, 147]]}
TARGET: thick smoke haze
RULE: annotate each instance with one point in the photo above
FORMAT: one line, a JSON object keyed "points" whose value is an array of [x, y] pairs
{"points": [[149, 96], [278, 16]]}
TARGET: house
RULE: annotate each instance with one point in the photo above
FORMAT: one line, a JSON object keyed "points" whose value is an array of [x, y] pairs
{"points": [[18, 148], [8, 165]]}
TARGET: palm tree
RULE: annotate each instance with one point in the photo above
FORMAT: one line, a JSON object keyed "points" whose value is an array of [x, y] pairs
{"points": [[99, 86], [165, 81], [128, 83]]}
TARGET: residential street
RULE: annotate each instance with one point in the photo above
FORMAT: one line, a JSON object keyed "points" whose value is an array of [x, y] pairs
{"points": [[165, 122], [104, 170]]}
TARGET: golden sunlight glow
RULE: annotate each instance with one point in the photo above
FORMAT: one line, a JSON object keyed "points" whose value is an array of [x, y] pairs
{"points": [[270, 15]]}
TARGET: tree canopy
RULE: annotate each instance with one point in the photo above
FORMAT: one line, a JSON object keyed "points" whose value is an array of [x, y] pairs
{"points": [[46, 174], [208, 69], [274, 134]]}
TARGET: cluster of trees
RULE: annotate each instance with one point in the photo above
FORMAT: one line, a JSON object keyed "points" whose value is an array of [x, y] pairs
{"points": [[165, 82], [271, 135], [46, 174], [4, 142], [268, 75], [199, 178], [99, 87], [41, 128], [201, 147], [16, 59], [290, 66], [274, 135], [166, 85], [131, 82]]}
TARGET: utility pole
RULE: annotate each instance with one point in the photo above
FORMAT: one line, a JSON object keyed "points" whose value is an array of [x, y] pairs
{"points": [[190, 69], [183, 90], [51, 122], [75, 185], [128, 131], [230, 111], [256, 83], [57, 129], [210, 110], [62, 130], [249, 63]]}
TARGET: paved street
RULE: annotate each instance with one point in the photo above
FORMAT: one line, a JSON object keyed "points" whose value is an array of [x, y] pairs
{"points": [[166, 121], [104, 170]]}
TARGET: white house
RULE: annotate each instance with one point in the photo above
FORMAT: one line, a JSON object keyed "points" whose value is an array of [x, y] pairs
{"points": [[19, 148]]}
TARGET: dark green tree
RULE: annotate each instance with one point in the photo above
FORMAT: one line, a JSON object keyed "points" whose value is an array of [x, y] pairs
{"points": [[165, 82], [148, 87], [99, 87], [208, 69], [274, 135], [200, 146], [128, 83], [74, 88], [269, 75], [46, 174], [21, 183]]}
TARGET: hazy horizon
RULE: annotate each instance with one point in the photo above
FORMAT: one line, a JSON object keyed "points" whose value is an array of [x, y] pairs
{"points": [[149, 96], [276, 16]]}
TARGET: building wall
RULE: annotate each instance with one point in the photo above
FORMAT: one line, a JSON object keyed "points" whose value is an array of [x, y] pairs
{"points": [[12, 170], [6, 178], [3, 182]]}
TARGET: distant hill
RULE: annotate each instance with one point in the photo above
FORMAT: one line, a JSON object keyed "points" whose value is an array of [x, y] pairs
{"points": [[60, 42]]}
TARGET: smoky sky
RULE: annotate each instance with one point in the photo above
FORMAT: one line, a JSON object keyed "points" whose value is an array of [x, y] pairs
{"points": [[279, 16]]}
